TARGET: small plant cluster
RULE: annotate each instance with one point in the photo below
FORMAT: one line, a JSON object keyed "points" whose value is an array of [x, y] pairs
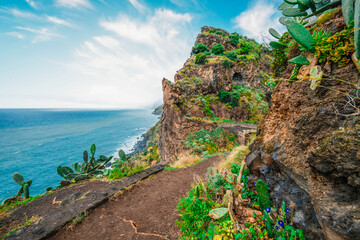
{"points": [[211, 212], [124, 167], [254, 99], [229, 97], [337, 48], [208, 142], [91, 167], [246, 49]]}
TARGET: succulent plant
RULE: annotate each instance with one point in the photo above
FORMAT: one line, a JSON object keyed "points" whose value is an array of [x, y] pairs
{"points": [[268, 223], [294, 12], [357, 28], [274, 33], [263, 194], [89, 168], [122, 155], [19, 179], [298, 61], [348, 10], [277, 45], [48, 189], [300, 34]]}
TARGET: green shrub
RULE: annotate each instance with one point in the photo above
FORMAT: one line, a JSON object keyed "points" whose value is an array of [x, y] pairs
{"points": [[200, 58], [207, 142], [201, 48], [224, 96], [218, 49], [229, 97], [234, 39], [220, 33], [232, 56], [226, 64], [194, 212]]}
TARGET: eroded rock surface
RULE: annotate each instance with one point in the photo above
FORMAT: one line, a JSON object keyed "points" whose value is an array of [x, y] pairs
{"points": [[308, 151]]}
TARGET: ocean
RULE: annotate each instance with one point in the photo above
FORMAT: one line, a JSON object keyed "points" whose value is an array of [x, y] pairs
{"points": [[34, 142]]}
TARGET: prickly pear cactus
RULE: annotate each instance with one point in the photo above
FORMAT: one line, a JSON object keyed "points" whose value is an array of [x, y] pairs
{"points": [[357, 28], [300, 34], [26, 190], [268, 223], [277, 45], [348, 11], [18, 178], [294, 12], [85, 156], [274, 33], [92, 150], [263, 194], [122, 155]]}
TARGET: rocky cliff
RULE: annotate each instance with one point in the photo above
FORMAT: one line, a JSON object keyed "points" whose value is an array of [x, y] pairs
{"points": [[192, 102], [308, 145]]}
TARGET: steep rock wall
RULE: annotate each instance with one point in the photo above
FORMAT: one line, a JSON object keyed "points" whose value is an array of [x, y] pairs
{"points": [[308, 151], [184, 110]]}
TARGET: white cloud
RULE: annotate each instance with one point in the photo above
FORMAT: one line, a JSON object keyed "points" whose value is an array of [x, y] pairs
{"points": [[125, 67], [15, 34], [18, 13], [58, 21], [256, 21], [136, 4], [32, 3], [73, 3], [41, 35]]}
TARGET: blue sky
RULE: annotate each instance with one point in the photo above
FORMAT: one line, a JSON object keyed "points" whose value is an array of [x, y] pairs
{"points": [[108, 53]]}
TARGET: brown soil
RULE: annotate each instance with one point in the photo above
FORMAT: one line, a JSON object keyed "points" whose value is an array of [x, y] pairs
{"points": [[145, 211]]}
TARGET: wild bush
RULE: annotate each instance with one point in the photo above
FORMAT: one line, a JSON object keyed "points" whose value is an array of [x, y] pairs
{"points": [[200, 58], [218, 49]]}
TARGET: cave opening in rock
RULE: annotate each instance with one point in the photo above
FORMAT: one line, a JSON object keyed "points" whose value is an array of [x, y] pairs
{"points": [[237, 77]]}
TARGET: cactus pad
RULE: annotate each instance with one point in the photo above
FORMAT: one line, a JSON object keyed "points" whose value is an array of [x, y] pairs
{"points": [[26, 191], [92, 149], [85, 156], [294, 12], [274, 33], [18, 178], [67, 170], [357, 28], [263, 194], [299, 60], [277, 45], [300, 34], [285, 5], [348, 11], [122, 155]]}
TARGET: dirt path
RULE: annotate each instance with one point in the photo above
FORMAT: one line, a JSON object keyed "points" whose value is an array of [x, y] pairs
{"points": [[146, 211]]}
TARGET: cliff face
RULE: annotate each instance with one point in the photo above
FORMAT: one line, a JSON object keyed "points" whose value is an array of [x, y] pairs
{"points": [[308, 149], [191, 102]]}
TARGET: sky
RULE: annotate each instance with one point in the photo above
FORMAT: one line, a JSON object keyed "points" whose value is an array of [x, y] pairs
{"points": [[109, 53]]}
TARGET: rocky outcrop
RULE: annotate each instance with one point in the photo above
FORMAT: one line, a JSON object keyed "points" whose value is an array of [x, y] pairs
{"points": [[308, 151], [158, 110], [191, 100]]}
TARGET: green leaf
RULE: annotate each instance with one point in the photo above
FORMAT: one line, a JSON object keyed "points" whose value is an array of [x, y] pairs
{"points": [[218, 212]]}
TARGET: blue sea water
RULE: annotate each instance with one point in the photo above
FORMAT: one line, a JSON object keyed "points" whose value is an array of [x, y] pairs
{"points": [[34, 142]]}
